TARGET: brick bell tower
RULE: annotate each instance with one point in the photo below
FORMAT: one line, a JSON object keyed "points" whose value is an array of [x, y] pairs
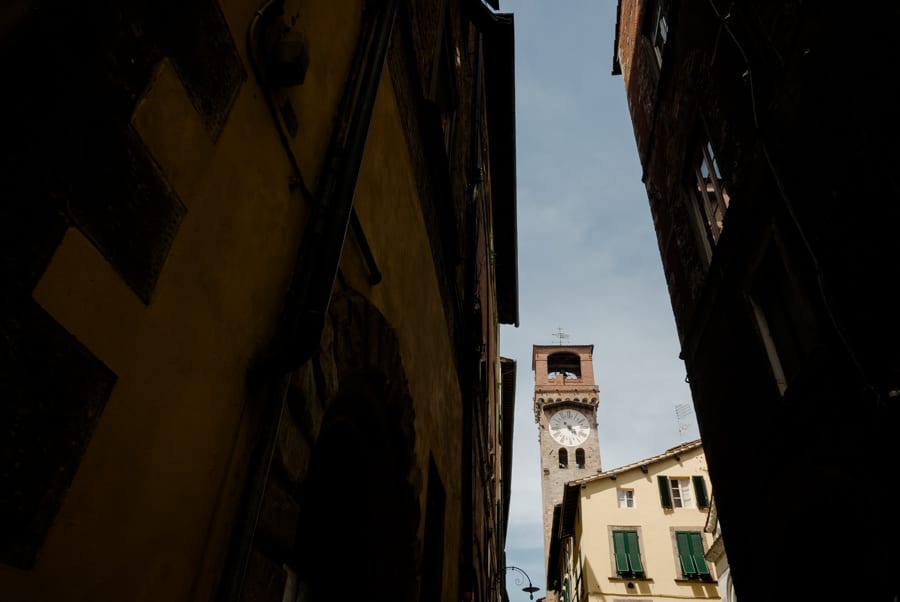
{"points": [[565, 409]]}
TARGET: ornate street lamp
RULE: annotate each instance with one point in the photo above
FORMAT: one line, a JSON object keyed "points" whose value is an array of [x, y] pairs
{"points": [[531, 588]]}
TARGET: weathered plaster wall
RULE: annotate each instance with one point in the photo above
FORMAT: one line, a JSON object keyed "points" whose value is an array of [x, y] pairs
{"points": [[147, 514], [598, 510]]}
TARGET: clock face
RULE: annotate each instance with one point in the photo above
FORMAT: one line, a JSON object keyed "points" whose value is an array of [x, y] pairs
{"points": [[569, 427]]}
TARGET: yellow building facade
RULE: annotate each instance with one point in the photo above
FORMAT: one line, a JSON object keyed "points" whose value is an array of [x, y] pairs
{"points": [[635, 532], [254, 263]]}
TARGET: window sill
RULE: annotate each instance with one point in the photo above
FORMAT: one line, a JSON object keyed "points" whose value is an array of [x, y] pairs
{"points": [[627, 579], [684, 581]]}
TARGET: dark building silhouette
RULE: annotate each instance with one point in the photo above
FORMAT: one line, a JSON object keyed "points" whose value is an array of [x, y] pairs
{"points": [[768, 140], [253, 262]]}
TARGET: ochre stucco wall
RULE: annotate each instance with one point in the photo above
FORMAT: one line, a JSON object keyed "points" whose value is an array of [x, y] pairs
{"points": [[389, 210], [148, 514], [599, 510]]}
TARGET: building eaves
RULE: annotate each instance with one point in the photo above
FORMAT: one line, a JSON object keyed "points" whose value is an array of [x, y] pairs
{"points": [[508, 408], [553, 552], [569, 508], [616, 67], [669, 453], [500, 101]]}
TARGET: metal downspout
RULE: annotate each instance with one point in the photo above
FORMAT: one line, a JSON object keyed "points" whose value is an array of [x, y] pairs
{"points": [[322, 245], [269, 11], [309, 295]]}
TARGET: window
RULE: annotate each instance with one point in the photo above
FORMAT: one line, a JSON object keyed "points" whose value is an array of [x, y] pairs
{"points": [[563, 458], [676, 493], [710, 196], [579, 458], [626, 498], [786, 325], [442, 87], [579, 577], [690, 555], [700, 490], [681, 493], [659, 32], [627, 554]]}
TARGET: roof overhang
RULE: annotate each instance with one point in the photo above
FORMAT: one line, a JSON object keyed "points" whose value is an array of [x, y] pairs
{"points": [[553, 553], [508, 407], [500, 101], [616, 67], [569, 511], [643, 464]]}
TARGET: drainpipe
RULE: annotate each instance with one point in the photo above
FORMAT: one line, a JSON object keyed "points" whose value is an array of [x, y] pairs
{"points": [[262, 20], [320, 253], [309, 295]]}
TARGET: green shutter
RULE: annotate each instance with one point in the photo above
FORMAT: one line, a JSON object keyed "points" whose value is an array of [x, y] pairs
{"points": [[621, 551], [697, 553], [635, 559], [700, 490], [702, 568], [634, 552], [665, 494], [685, 555], [627, 552], [690, 554]]}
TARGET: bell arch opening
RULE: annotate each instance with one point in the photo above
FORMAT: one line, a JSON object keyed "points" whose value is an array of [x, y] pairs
{"points": [[566, 363]]}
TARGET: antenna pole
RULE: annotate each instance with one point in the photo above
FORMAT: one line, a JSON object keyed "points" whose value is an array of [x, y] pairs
{"points": [[682, 410], [560, 336]]}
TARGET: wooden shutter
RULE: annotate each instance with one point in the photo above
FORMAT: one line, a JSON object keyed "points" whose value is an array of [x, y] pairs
{"points": [[697, 554], [690, 554], [620, 551], [700, 491], [634, 551], [684, 554], [665, 494]]}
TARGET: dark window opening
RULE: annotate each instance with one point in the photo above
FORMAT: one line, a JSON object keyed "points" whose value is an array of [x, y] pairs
{"points": [[567, 364], [786, 324], [579, 458], [443, 83], [710, 195], [563, 458], [656, 28], [433, 557]]}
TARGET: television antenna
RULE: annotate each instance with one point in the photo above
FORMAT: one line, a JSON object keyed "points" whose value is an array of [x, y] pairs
{"points": [[682, 411], [560, 335]]}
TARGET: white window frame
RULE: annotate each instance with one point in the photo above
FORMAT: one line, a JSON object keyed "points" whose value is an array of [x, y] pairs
{"points": [[769, 344], [625, 497], [710, 192], [660, 33], [681, 493]]}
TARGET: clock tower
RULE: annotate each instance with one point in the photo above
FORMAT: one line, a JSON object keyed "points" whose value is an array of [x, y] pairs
{"points": [[565, 409]]}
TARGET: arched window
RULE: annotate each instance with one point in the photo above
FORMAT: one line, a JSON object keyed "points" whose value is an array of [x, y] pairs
{"points": [[563, 458], [579, 458], [565, 363]]}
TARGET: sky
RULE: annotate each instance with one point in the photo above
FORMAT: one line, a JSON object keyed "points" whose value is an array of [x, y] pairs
{"points": [[588, 258]]}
